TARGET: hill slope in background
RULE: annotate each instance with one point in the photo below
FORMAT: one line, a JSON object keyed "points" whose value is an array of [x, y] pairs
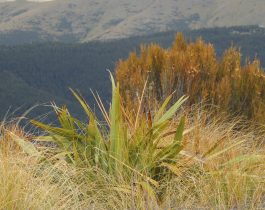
{"points": [[43, 72], [86, 20]]}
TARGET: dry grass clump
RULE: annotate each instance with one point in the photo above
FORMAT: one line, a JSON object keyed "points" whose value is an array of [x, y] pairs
{"points": [[229, 172], [219, 168], [27, 183]]}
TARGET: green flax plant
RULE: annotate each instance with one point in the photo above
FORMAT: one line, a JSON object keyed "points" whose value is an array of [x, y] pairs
{"points": [[122, 149]]}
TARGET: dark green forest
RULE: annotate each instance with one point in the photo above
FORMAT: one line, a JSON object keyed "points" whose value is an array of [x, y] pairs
{"points": [[39, 73]]}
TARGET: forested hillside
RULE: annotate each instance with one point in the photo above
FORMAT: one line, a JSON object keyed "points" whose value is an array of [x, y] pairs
{"points": [[43, 72]]}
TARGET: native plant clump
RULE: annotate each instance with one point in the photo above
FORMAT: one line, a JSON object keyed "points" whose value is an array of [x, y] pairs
{"points": [[123, 149]]}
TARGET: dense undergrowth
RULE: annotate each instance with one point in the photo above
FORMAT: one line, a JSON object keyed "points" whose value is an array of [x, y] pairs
{"points": [[173, 160], [194, 69]]}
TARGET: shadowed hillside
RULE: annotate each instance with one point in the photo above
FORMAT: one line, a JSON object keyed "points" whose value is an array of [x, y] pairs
{"points": [[43, 72]]}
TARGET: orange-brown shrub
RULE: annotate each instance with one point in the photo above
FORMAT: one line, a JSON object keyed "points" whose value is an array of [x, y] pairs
{"points": [[193, 69]]}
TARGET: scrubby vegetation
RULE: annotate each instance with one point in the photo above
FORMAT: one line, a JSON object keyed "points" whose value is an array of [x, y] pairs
{"points": [[156, 147], [192, 160], [195, 70]]}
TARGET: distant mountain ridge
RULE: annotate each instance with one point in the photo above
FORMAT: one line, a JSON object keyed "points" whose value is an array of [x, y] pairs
{"points": [[86, 20]]}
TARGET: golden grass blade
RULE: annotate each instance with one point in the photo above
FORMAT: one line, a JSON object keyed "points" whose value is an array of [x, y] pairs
{"points": [[101, 107], [215, 155], [152, 181], [140, 104]]}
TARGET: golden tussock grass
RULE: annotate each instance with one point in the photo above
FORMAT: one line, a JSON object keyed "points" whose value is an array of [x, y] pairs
{"points": [[220, 167]]}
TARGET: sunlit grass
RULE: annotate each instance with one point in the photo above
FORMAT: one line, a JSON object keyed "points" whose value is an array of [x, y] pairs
{"points": [[26, 183], [171, 159]]}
